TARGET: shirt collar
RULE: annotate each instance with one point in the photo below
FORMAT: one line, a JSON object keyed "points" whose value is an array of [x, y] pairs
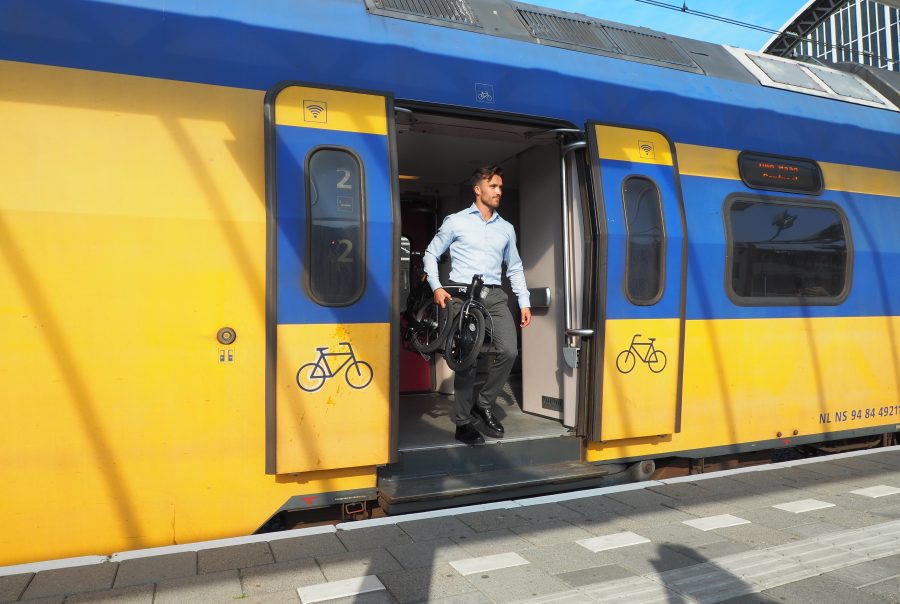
{"points": [[473, 209]]}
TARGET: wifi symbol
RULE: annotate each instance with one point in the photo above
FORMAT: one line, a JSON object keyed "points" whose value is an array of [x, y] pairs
{"points": [[646, 149], [315, 109]]}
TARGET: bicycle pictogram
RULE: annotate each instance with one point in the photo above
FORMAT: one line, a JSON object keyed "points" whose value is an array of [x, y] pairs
{"points": [[655, 359], [312, 376]]}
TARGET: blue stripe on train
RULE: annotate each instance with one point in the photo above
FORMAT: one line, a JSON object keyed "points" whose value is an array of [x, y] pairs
{"points": [[234, 43], [873, 223], [613, 174], [294, 305]]}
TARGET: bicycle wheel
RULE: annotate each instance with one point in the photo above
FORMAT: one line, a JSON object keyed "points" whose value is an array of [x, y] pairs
{"points": [[656, 361], [625, 361], [432, 324], [464, 340], [358, 374], [310, 377]]}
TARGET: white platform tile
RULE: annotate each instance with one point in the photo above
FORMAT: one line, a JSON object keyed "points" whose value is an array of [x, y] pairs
{"points": [[615, 541], [881, 490], [803, 505], [339, 589], [716, 522], [483, 564]]}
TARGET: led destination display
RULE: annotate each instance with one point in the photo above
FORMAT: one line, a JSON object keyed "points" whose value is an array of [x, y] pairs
{"points": [[775, 173]]}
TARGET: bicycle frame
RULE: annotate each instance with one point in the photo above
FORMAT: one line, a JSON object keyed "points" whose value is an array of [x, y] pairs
{"points": [[323, 359], [471, 296], [648, 346]]}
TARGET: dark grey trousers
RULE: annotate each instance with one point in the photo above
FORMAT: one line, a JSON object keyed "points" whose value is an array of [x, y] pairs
{"points": [[503, 350]]}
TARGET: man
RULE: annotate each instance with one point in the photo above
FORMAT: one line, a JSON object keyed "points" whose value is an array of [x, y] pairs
{"points": [[480, 241]]}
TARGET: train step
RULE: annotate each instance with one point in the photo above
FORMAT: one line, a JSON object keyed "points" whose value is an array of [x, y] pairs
{"points": [[496, 454], [404, 496]]}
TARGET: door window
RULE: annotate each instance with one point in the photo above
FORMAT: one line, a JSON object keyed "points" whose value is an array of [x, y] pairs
{"points": [[335, 229], [645, 236]]}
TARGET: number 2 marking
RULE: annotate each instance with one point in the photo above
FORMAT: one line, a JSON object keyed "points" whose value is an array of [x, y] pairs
{"points": [[342, 183], [345, 255]]}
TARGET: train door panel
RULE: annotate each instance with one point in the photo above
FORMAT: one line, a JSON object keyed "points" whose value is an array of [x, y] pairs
{"points": [[330, 384], [640, 354]]}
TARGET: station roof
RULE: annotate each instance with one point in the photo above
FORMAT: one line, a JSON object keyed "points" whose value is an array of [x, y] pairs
{"points": [[805, 20]]}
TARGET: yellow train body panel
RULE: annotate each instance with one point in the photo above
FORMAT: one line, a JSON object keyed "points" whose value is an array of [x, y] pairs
{"points": [[639, 395], [132, 228], [323, 427], [756, 380]]}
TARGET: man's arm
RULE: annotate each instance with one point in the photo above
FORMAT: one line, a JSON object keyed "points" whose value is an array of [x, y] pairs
{"points": [[442, 240], [516, 273]]}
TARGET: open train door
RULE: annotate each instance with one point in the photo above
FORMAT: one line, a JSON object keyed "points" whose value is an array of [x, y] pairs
{"points": [[331, 279], [639, 304]]}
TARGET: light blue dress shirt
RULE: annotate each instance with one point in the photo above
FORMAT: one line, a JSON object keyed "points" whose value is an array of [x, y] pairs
{"points": [[477, 248]]}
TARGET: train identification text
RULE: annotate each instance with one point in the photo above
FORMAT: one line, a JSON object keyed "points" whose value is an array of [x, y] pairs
{"points": [[852, 415]]}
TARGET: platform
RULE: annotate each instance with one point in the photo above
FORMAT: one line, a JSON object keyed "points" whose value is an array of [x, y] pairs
{"points": [[823, 530]]}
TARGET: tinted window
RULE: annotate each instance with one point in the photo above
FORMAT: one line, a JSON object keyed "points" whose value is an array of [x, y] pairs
{"points": [[796, 253], [645, 241], [336, 253]]}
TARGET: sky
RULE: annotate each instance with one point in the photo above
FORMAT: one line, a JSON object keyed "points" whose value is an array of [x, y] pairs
{"points": [[767, 13]]}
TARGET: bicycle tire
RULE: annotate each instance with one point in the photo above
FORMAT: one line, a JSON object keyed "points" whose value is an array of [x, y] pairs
{"points": [[656, 361], [363, 372], [303, 378], [430, 331], [464, 340], [625, 359]]}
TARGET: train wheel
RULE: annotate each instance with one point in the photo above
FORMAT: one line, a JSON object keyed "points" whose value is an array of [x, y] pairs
{"points": [[625, 361], [310, 377], [657, 361], [359, 374]]}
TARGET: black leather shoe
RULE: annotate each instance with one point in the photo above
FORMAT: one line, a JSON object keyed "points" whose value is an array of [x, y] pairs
{"points": [[489, 424], [469, 435]]}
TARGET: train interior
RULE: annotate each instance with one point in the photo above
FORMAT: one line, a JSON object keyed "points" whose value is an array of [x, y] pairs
{"points": [[437, 155]]}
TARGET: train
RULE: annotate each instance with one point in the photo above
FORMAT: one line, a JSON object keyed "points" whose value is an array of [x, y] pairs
{"points": [[199, 199]]}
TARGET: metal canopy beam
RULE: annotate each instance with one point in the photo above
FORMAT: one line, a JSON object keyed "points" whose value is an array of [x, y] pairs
{"points": [[808, 20]]}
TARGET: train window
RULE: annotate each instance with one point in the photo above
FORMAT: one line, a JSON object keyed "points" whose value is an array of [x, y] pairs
{"points": [[645, 241], [335, 202], [785, 253]]}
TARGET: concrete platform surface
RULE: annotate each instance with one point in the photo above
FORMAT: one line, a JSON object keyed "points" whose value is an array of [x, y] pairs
{"points": [[824, 530]]}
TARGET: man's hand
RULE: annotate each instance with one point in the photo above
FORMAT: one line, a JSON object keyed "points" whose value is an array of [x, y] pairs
{"points": [[526, 317], [441, 296]]}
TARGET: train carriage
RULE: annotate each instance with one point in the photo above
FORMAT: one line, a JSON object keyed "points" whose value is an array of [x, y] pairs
{"points": [[207, 215]]}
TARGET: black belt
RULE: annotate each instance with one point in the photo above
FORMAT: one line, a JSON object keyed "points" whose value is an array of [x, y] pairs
{"points": [[485, 285]]}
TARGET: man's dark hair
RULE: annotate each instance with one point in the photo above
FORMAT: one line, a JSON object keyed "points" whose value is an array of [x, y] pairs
{"points": [[485, 173]]}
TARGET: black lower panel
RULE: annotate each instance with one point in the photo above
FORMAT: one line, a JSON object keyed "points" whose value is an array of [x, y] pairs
{"points": [[405, 496]]}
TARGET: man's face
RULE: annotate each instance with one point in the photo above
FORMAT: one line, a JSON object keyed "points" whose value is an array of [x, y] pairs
{"points": [[490, 191]]}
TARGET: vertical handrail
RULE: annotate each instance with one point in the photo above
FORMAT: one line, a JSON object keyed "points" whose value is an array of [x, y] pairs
{"points": [[570, 350], [565, 241]]}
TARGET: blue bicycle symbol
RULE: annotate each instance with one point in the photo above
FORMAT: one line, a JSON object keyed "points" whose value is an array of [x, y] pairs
{"points": [[312, 376]]}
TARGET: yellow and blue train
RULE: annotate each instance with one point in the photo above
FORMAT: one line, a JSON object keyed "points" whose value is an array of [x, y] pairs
{"points": [[205, 216]]}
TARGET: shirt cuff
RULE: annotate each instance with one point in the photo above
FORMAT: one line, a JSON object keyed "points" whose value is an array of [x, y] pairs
{"points": [[524, 300], [435, 284]]}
